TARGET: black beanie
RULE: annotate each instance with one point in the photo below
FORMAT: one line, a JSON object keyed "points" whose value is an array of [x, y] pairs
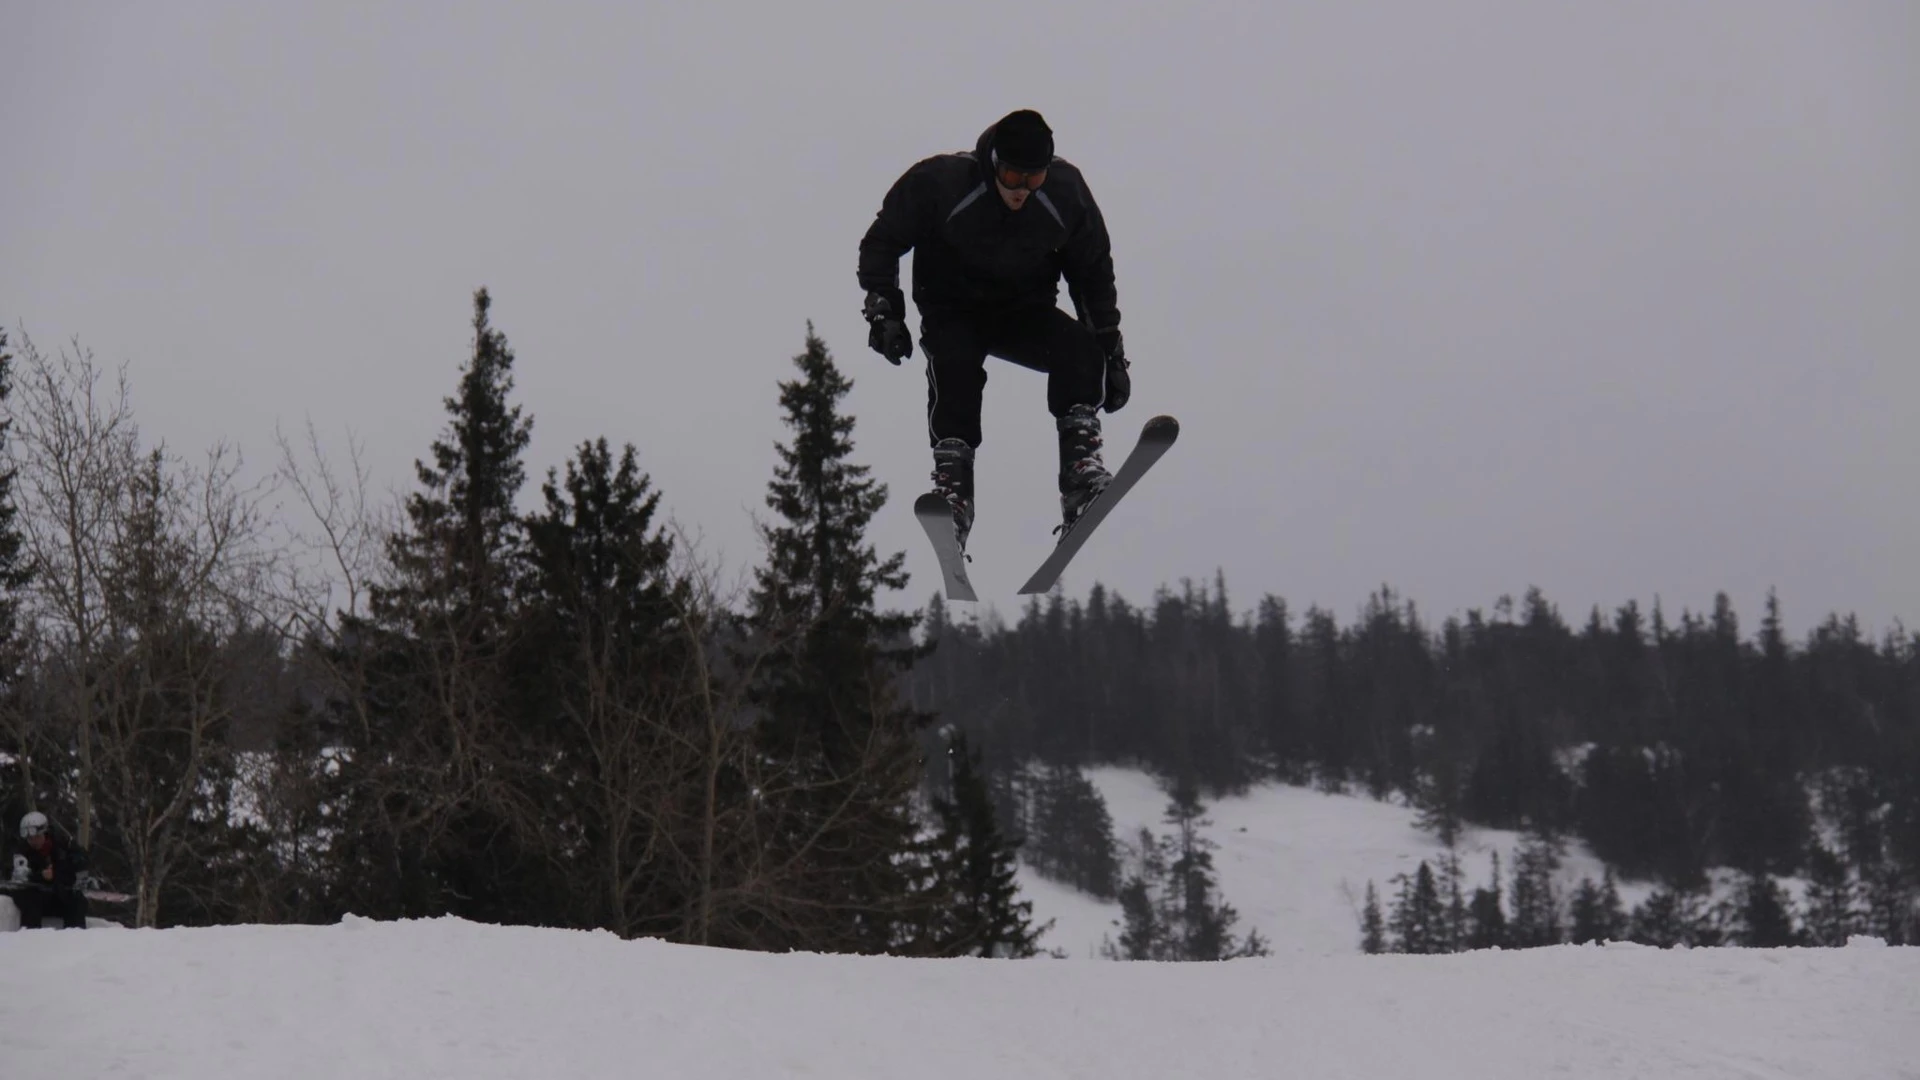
{"points": [[1023, 140]]}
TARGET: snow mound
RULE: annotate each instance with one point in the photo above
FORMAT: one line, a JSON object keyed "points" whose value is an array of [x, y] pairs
{"points": [[447, 998]]}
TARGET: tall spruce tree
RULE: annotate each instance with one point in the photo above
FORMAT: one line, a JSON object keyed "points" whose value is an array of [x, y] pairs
{"points": [[1072, 839], [1487, 914], [438, 822], [1419, 914], [1536, 905], [1595, 913], [975, 871], [1373, 925], [827, 662], [600, 667], [1832, 915]]}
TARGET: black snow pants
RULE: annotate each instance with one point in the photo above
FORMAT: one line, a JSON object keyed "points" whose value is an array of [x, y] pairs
{"points": [[36, 904], [1045, 339]]}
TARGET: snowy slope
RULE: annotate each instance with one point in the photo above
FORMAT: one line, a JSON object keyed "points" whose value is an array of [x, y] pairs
{"points": [[1292, 861], [445, 998]]}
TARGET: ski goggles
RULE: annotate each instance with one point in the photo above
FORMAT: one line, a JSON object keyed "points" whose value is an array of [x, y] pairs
{"points": [[1010, 177]]}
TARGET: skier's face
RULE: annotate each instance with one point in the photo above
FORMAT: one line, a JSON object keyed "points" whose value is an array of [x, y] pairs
{"points": [[1016, 185], [39, 842]]}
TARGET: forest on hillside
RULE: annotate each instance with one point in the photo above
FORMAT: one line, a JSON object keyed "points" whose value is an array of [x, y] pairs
{"points": [[527, 700]]}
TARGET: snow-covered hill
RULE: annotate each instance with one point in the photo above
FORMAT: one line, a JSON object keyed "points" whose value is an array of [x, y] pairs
{"points": [[451, 999], [1294, 862]]}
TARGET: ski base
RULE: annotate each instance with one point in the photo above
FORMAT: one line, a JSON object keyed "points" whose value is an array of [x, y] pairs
{"points": [[937, 518]]}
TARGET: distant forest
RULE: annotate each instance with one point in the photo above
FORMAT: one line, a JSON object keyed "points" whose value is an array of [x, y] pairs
{"points": [[527, 700], [1671, 745]]}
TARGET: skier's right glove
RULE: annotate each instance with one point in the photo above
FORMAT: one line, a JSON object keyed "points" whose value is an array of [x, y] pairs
{"points": [[886, 330], [20, 869]]}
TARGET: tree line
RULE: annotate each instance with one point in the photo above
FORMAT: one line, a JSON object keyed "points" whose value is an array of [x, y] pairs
{"points": [[558, 716], [459, 707], [1670, 746]]}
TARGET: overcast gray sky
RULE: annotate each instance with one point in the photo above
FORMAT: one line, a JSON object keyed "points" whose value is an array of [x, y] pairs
{"points": [[1620, 300]]}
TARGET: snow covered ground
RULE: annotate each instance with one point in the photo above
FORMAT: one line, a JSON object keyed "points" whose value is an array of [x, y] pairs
{"points": [[446, 998], [1292, 861]]}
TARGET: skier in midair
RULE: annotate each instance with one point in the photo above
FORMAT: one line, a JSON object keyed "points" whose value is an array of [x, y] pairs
{"points": [[993, 232]]}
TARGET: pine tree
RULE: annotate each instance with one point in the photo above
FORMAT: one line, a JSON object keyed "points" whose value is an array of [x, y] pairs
{"points": [[1141, 935], [429, 783], [1766, 918], [977, 868], [601, 663], [1455, 925], [1486, 914], [1419, 917], [1200, 923], [1595, 911], [1670, 917], [1832, 915], [1373, 927], [1536, 908], [827, 663], [1072, 839]]}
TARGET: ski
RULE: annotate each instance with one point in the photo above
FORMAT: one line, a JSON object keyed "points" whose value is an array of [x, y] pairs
{"points": [[937, 518], [101, 895], [1155, 439]]}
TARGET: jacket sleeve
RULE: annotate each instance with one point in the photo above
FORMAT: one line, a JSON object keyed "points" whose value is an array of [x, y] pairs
{"points": [[68, 865], [896, 230], [1087, 264]]}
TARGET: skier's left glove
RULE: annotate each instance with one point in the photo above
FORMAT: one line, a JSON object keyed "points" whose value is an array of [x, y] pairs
{"points": [[887, 330], [1119, 383]]}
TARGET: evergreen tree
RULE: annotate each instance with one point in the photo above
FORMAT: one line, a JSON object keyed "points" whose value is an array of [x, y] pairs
{"points": [[1487, 915], [428, 785], [1536, 908], [1200, 924], [1832, 915], [826, 663], [1072, 839], [1766, 918], [1419, 916], [976, 866], [1456, 925], [1373, 927], [601, 662], [1670, 917], [1595, 911], [1141, 935]]}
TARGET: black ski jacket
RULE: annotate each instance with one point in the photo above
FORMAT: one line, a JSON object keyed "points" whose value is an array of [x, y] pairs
{"points": [[68, 860], [972, 255]]}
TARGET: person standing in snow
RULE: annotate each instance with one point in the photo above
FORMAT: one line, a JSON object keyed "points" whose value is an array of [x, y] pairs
{"points": [[49, 876], [993, 232]]}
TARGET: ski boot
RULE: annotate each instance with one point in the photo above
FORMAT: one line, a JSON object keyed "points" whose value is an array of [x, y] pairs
{"points": [[1082, 474], [953, 479]]}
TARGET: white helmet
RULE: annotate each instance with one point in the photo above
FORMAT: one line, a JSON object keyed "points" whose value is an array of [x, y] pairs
{"points": [[33, 825]]}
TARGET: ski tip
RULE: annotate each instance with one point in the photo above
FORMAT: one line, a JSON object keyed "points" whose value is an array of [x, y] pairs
{"points": [[1161, 427], [931, 502]]}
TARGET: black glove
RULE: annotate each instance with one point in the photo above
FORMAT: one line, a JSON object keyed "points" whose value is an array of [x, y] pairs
{"points": [[1119, 383], [886, 330]]}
